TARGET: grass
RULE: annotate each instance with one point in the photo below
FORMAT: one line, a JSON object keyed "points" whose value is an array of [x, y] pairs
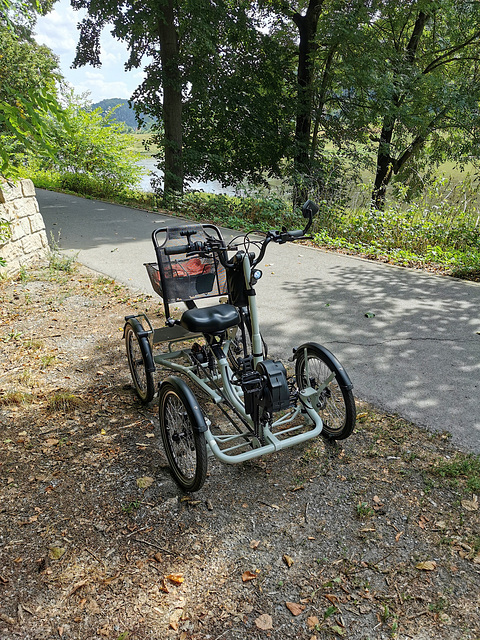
{"points": [[63, 401], [465, 468], [15, 398], [59, 262]]}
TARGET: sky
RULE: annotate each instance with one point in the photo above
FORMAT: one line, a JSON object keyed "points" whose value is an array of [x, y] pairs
{"points": [[58, 31]]}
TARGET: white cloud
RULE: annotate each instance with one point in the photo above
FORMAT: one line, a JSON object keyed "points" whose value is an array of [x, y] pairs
{"points": [[58, 31]]}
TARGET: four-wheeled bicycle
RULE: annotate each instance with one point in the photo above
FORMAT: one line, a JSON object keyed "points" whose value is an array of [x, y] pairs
{"points": [[250, 405]]}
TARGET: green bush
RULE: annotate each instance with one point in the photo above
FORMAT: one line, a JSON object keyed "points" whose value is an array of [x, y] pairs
{"points": [[245, 214]]}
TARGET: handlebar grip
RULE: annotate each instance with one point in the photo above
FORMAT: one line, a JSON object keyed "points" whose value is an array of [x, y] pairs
{"points": [[181, 248], [296, 233]]}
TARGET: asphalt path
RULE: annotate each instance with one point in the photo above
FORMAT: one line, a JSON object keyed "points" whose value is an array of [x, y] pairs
{"points": [[409, 340]]}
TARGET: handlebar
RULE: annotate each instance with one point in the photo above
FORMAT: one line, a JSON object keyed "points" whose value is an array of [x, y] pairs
{"points": [[212, 244], [181, 248]]}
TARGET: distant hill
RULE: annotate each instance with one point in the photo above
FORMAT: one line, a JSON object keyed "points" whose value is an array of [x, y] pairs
{"points": [[124, 113]]}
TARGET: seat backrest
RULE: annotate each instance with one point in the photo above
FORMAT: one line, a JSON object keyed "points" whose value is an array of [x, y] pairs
{"points": [[183, 277]]}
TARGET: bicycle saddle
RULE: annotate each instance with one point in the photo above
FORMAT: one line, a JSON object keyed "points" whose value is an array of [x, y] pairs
{"points": [[213, 319]]}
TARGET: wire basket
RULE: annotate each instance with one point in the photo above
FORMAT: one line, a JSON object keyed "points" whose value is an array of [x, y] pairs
{"points": [[187, 278]]}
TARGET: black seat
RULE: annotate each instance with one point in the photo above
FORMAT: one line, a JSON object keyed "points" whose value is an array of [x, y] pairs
{"points": [[213, 319]]}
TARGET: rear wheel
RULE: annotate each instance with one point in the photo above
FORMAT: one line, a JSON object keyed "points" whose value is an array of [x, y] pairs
{"points": [[184, 445], [335, 405], [142, 379]]}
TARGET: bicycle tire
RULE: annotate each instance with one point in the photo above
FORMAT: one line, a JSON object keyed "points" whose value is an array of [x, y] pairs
{"points": [[336, 404], [184, 445], [143, 379]]}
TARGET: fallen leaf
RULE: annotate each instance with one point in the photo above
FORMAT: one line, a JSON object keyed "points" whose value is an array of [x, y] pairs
{"points": [[254, 544], [7, 619], [428, 565], [144, 482], [175, 618], [399, 535], [248, 575], [176, 578], [294, 608], [55, 553], [287, 560], [470, 505], [264, 622], [163, 587], [52, 442], [338, 630], [312, 621], [331, 598]]}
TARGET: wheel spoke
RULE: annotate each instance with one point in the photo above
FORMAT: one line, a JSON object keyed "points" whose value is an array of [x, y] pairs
{"points": [[334, 405]]}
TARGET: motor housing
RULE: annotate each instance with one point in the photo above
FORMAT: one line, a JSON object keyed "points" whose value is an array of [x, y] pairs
{"points": [[276, 394]]}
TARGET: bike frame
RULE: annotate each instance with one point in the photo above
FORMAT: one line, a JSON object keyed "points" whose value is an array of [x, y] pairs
{"points": [[217, 384]]}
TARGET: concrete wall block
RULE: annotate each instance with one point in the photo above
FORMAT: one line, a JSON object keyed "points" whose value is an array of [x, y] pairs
{"points": [[36, 223], [19, 229], [11, 251], [32, 244], [7, 211], [10, 191], [28, 189], [25, 207], [44, 240]]}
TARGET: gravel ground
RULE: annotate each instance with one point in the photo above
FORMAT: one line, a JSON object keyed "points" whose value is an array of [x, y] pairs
{"points": [[365, 539]]}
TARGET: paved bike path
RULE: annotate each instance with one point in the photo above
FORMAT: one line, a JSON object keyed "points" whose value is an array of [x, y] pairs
{"points": [[418, 355]]}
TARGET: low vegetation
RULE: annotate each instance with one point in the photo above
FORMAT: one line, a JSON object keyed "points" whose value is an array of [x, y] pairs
{"points": [[440, 230]]}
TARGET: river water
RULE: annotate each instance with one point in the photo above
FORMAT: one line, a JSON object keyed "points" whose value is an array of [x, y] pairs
{"points": [[208, 187]]}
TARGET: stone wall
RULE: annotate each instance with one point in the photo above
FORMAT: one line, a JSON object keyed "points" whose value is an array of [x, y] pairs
{"points": [[28, 241]]}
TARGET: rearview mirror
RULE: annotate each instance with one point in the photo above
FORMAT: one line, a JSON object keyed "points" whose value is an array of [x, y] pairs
{"points": [[309, 209]]}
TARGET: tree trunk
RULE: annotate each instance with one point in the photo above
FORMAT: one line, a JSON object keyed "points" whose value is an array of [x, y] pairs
{"points": [[307, 29], [172, 100], [387, 165]]}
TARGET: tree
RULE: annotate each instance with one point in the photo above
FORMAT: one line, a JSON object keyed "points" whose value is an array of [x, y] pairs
{"points": [[28, 76], [422, 88], [92, 150], [149, 28], [239, 109], [185, 43]]}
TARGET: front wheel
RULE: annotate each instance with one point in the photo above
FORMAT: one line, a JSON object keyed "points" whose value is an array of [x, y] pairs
{"points": [[183, 442], [335, 403], [142, 377]]}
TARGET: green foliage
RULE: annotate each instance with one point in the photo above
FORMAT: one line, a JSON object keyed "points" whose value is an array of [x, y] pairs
{"points": [[432, 229], [28, 73], [238, 113], [466, 466], [93, 154], [245, 214]]}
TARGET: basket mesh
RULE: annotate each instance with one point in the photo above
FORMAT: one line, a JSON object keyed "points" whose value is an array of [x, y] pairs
{"points": [[186, 277]]}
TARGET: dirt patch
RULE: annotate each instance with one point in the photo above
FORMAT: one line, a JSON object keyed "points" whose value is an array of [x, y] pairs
{"points": [[362, 540]]}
